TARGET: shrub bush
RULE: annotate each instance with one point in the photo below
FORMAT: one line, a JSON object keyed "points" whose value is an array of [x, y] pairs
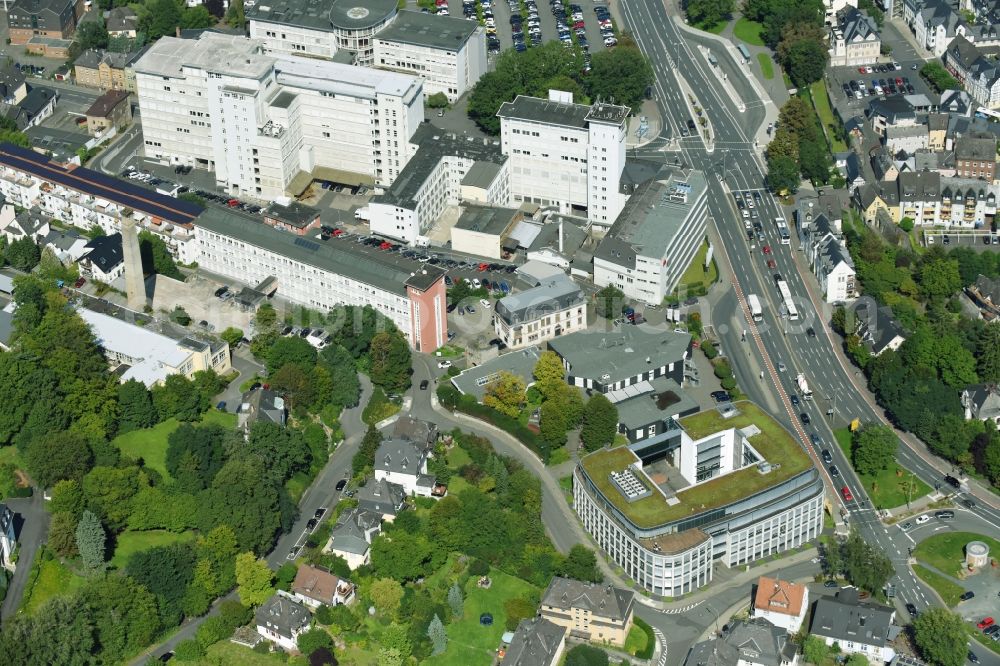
{"points": [[729, 383], [722, 370], [449, 396]]}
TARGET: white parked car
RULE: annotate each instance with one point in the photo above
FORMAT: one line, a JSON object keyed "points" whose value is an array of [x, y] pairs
{"points": [[485, 303], [476, 284], [444, 364], [923, 518]]}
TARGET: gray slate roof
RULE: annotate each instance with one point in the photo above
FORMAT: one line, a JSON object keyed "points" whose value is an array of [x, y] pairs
{"points": [[6, 329], [552, 295], [399, 456], [876, 325], [621, 353], [982, 399], [423, 433], [535, 643], [282, 615], [349, 534], [382, 497], [473, 381], [756, 641], [845, 618], [601, 600]]}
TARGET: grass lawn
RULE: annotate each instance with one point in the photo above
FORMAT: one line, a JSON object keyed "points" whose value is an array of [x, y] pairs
{"points": [[766, 65], [468, 641], [884, 488], [558, 456], [225, 652], [379, 408], [637, 640], [54, 579], [696, 275], [151, 444], [821, 101], [748, 31], [130, 543], [949, 590], [983, 641], [946, 551]]}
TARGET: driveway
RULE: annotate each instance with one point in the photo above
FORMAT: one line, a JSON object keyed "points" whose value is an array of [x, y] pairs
{"points": [[247, 369], [31, 526]]}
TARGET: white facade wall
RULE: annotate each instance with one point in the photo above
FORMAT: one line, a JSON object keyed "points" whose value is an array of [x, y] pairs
{"points": [[300, 283], [452, 72], [777, 533], [958, 212], [790, 623], [834, 284], [286, 39], [605, 165], [875, 654], [540, 329], [548, 163]]}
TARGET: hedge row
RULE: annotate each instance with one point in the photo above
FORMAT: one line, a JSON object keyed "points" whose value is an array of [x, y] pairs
{"points": [[451, 398]]}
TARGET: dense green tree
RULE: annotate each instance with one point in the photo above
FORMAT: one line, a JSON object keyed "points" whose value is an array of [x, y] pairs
{"points": [[67, 497], [600, 422], [386, 594], [195, 454], [941, 636], [235, 16], [389, 361], [988, 353], [621, 74], [92, 35], [608, 302], [865, 566], [166, 571], [23, 254], [292, 349], [232, 336], [456, 601], [314, 639], [31, 399], [110, 490], [90, 540], [708, 13], [403, 556], [346, 387], [806, 62], [194, 18], [815, 161], [253, 579], [782, 174], [61, 632], [815, 650], [245, 496], [62, 534], [438, 636], [125, 616], [167, 507], [505, 394], [9, 133], [164, 18], [180, 398], [156, 258], [135, 407], [939, 278], [292, 380], [549, 374], [586, 655], [58, 456], [283, 450], [365, 457], [581, 564], [517, 609], [873, 449]]}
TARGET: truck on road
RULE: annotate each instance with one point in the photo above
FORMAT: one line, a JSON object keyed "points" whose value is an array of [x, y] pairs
{"points": [[803, 385], [756, 313]]}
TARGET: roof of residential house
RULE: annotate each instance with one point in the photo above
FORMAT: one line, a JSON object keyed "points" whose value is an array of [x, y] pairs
{"points": [[754, 641], [44, 9], [349, 535], [894, 109], [832, 253], [780, 596], [430, 30], [378, 270], [294, 214], [106, 103], [381, 496], [37, 99], [952, 101], [283, 615], [94, 58], [552, 295], [6, 327], [846, 619], [876, 325], [11, 79], [988, 288], [316, 583], [983, 400], [935, 13], [105, 252], [653, 218], [628, 351], [651, 401], [856, 26], [962, 52], [261, 404], [399, 456], [322, 15], [536, 643], [976, 147], [473, 381], [489, 221], [415, 430], [62, 240], [539, 110], [604, 601], [919, 186], [122, 19]]}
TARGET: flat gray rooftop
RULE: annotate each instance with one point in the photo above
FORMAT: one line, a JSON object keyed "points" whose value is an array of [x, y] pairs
{"points": [[625, 352], [484, 220], [322, 14], [536, 109], [431, 30]]}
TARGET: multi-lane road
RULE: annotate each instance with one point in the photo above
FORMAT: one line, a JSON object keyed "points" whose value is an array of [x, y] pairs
{"points": [[735, 164]]}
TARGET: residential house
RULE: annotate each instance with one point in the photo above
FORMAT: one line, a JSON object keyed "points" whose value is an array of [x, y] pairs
{"points": [[104, 260], [27, 224], [6, 327], [314, 587], [974, 69], [382, 497], [893, 111], [906, 139], [956, 102], [13, 87], [292, 217], [746, 643], [281, 619], [8, 539], [849, 165], [49, 19], [122, 22], [260, 404], [781, 603], [423, 434], [982, 402], [937, 131], [555, 307], [854, 40], [592, 612], [537, 642], [38, 104], [985, 292], [104, 69], [830, 260], [111, 110], [857, 627], [403, 463], [884, 164], [352, 536], [934, 23], [877, 327], [67, 246], [976, 156]]}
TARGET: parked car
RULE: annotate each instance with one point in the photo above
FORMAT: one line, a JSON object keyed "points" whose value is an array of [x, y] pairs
{"points": [[923, 518], [968, 594], [721, 396], [319, 512], [944, 515], [311, 524], [341, 484], [444, 364], [985, 622], [424, 384], [912, 610]]}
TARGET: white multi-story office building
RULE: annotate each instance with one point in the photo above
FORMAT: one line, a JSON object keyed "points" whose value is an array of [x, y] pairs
{"points": [[666, 513], [566, 155], [268, 125], [344, 29], [437, 177], [323, 276], [449, 54], [656, 235]]}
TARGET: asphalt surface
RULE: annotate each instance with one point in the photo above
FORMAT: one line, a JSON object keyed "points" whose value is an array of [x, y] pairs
{"points": [[735, 163], [547, 23], [31, 525]]}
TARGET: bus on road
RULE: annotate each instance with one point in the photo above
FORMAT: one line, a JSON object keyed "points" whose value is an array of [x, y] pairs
{"points": [[756, 313], [786, 299], [783, 230]]}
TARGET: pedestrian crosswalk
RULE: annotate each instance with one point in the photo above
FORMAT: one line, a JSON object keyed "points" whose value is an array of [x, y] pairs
{"points": [[675, 611], [661, 640]]}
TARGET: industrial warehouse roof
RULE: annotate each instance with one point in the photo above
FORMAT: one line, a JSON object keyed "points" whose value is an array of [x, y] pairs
{"points": [[384, 271], [99, 185], [432, 30]]}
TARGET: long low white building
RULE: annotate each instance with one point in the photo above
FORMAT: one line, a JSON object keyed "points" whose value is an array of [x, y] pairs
{"points": [[269, 125], [655, 237], [324, 275]]}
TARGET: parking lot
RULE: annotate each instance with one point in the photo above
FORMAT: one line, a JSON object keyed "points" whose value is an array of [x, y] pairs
{"points": [[977, 239], [882, 73], [547, 23]]}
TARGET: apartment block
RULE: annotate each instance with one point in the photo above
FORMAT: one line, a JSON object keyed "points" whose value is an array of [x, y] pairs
{"points": [[324, 276], [930, 199], [566, 155], [854, 40], [49, 19], [267, 126], [554, 307]]}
